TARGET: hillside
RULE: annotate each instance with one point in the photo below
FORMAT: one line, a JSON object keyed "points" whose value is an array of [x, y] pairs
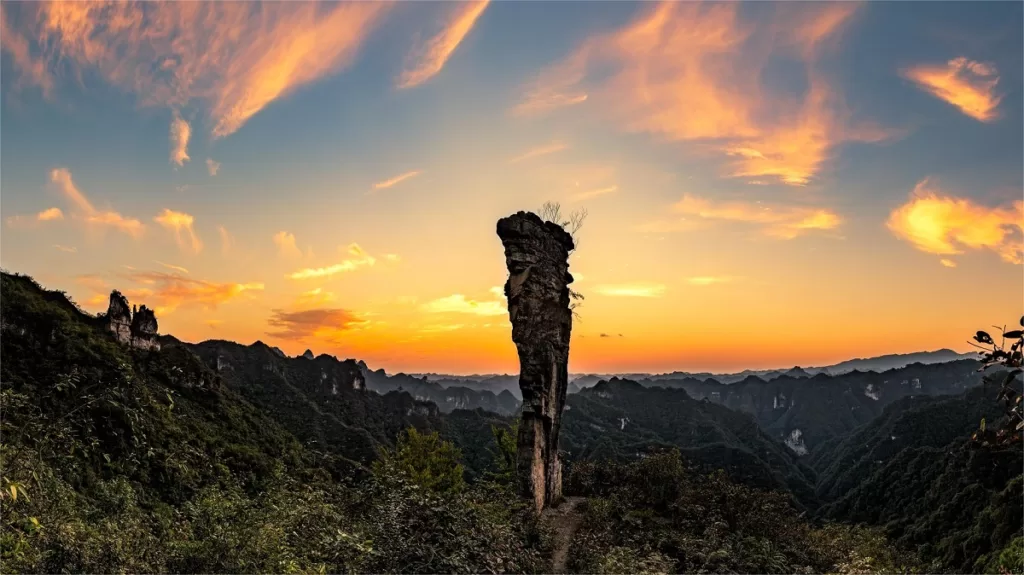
{"points": [[807, 412], [621, 420], [914, 471], [222, 457], [142, 460]]}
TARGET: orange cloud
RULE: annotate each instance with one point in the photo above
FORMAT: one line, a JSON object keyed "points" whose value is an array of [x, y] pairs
{"points": [[32, 70], [687, 71], [458, 303], [940, 224], [966, 84], [540, 151], [360, 259], [212, 167], [47, 215], [427, 60], [180, 133], [50, 214], [325, 323], [780, 221], [68, 249], [392, 181], [180, 222], [948, 263], [631, 290], [165, 292], [61, 177], [234, 57]]}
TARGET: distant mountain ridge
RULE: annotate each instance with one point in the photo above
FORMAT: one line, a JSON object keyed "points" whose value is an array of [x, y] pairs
{"points": [[499, 382]]}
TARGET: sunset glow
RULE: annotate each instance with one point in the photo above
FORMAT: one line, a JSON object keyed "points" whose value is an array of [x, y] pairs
{"points": [[767, 185]]}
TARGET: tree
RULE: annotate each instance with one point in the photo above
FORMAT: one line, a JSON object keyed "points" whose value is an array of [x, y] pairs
{"points": [[552, 212], [1011, 359], [424, 460]]}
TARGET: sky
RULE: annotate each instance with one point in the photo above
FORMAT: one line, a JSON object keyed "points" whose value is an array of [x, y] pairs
{"points": [[766, 184]]}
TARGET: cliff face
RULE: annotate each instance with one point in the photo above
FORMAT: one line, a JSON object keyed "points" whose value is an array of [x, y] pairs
{"points": [[133, 327], [536, 255]]}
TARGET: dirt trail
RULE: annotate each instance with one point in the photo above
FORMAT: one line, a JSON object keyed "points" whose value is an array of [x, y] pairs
{"points": [[564, 520]]}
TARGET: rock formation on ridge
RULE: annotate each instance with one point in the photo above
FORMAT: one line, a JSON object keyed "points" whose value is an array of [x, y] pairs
{"points": [[133, 327], [536, 255]]}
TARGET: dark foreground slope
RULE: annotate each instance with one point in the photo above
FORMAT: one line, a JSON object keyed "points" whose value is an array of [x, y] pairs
{"points": [[123, 460], [621, 420]]}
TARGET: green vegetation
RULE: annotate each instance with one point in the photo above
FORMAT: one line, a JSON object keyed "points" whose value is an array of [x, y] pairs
{"points": [[658, 515], [116, 460], [219, 457]]}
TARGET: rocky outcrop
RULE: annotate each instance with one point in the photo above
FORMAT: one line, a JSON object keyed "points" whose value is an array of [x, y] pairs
{"points": [[132, 327], [536, 255], [119, 317]]}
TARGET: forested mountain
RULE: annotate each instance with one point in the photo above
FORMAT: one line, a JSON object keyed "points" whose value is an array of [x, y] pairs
{"points": [[806, 412], [913, 471], [621, 420], [448, 395], [221, 457]]}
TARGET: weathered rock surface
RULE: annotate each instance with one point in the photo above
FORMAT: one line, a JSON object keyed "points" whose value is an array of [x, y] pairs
{"points": [[119, 317], [536, 255], [133, 327]]}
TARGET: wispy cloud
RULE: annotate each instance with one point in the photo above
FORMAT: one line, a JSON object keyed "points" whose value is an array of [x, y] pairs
{"points": [[181, 131], [232, 57], [966, 84], [940, 224], [68, 249], [441, 328], [594, 193], [314, 297], [539, 151], [691, 72], [212, 167], [173, 267], [32, 70], [47, 215], [285, 242], [322, 323], [631, 290], [181, 224], [226, 241], [458, 303], [358, 260], [948, 263], [166, 292], [92, 281], [85, 211], [709, 280], [427, 60], [778, 220], [395, 180]]}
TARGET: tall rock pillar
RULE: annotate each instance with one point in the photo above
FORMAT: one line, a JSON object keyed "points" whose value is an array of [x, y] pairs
{"points": [[537, 254]]}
